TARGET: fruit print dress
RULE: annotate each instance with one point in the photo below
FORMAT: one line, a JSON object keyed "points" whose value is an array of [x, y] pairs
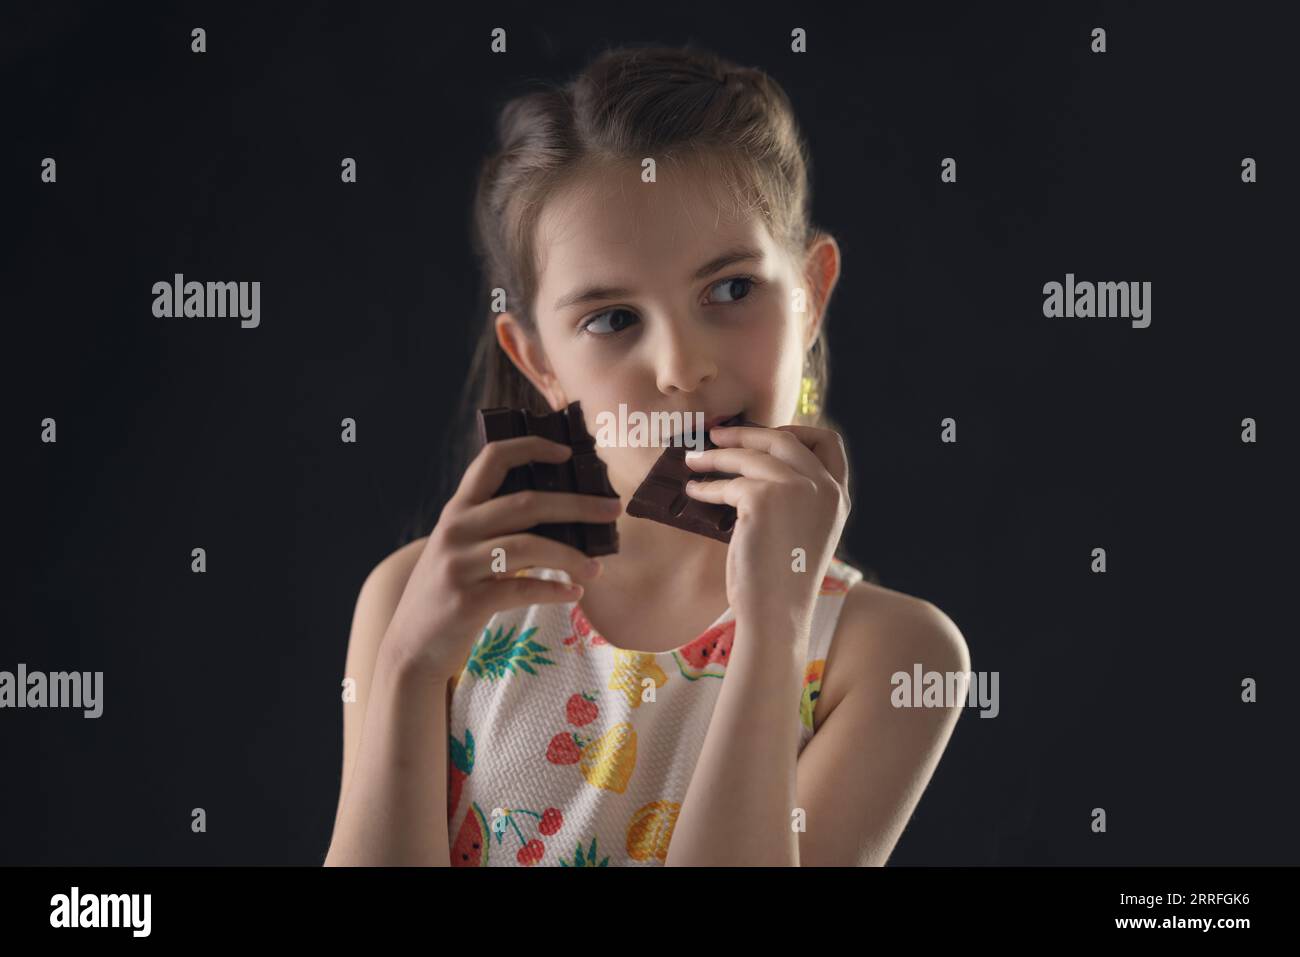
{"points": [[560, 756]]}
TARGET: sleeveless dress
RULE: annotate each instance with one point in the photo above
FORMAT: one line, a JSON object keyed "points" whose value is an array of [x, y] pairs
{"points": [[560, 754]]}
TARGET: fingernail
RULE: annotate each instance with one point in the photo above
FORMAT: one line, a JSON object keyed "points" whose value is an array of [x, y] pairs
{"points": [[693, 455]]}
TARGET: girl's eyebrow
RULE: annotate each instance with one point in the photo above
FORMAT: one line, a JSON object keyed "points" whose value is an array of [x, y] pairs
{"points": [[717, 263]]}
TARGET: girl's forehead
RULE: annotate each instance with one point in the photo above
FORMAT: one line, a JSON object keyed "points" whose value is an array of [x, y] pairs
{"points": [[617, 222], [621, 196]]}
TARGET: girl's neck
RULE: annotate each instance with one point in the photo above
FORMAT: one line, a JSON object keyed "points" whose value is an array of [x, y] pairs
{"points": [[657, 555]]}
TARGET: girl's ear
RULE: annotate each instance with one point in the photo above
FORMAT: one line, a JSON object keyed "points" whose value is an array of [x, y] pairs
{"points": [[821, 272], [526, 352]]}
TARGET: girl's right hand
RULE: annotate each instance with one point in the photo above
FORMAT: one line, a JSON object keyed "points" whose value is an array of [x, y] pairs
{"points": [[453, 592]]}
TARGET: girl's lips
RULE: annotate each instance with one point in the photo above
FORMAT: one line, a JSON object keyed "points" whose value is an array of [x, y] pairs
{"points": [[723, 420]]}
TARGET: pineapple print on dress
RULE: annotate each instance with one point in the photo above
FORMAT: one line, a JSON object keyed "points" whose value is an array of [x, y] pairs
{"points": [[494, 655], [586, 860], [651, 831], [460, 763], [606, 761], [707, 655]]}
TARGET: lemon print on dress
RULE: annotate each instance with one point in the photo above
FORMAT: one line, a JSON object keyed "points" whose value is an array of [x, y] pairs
{"points": [[651, 830], [608, 762], [631, 668]]}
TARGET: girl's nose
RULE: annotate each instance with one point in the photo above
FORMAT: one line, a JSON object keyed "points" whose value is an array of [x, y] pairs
{"points": [[683, 362]]}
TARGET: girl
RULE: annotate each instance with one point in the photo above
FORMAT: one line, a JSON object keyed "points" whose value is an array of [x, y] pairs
{"points": [[648, 229]]}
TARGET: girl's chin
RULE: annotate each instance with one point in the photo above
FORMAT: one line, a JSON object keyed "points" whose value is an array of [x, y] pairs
{"points": [[631, 469]]}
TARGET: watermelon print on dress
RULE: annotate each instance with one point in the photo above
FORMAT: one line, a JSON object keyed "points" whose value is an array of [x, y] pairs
{"points": [[583, 634], [707, 655], [833, 586], [470, 849]]}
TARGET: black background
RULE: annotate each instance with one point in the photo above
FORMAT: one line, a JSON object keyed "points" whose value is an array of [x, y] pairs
{"points": [[221, 691]]}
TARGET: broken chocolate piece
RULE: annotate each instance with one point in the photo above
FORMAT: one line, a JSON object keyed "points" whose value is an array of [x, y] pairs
{"points": [[662, 496], [583, 472]]}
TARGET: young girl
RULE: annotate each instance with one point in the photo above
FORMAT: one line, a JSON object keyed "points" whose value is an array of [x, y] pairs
{"points": [[647, 229]]}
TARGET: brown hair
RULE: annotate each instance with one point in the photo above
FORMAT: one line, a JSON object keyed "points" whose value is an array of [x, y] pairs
{"points": [[681, 105]]}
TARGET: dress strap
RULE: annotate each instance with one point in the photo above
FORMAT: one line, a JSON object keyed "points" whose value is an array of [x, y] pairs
{"points": [[839, 578]]}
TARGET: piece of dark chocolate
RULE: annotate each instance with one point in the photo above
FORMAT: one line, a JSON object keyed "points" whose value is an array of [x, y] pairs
{"points": [[662, 497], [583, 472]]}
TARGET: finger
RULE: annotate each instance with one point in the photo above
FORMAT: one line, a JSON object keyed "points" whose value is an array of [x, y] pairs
{"points": [[519, 511], [510, 593], [827, 445], [484, 562], [779, 443], [748, 462], [489, 468], [723, 491]]}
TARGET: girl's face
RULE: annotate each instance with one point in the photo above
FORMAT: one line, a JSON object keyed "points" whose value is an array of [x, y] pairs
{"points": [[650, 296]]}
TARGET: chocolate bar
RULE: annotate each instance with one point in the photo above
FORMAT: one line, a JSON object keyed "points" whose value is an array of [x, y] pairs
{"points": [[582, 472], [662, 496]]}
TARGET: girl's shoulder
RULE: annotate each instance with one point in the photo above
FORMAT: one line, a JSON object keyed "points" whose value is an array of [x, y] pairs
{"points": [[867, 603], [881, 631], [394, 569]]}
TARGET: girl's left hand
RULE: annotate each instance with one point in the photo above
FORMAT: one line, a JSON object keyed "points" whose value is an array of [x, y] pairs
{"points": [[791, 492]]}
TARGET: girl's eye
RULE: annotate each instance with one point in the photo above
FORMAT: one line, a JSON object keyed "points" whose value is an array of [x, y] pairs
{"points": [[746, 282], [586, 326]]}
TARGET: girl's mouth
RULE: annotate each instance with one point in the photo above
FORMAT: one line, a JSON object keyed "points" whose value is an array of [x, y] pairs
{"points": [[724, 420]]}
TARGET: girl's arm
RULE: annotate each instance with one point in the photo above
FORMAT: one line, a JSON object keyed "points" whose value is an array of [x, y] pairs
{"points": [[415, 623], [862, 775], [737, 809], [393, 807]]}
